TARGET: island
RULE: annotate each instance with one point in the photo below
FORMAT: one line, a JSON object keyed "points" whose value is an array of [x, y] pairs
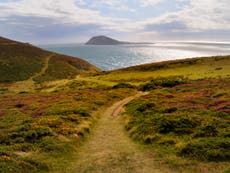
{"points": [[104, 40]]}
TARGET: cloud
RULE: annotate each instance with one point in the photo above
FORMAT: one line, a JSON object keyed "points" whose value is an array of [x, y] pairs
{"points": [[206, 15], [66, 11], [47, 19], [146, 36], [58, 19], [172, 26], [149, 3], [119, 5], [80, 2], [198, 18]]}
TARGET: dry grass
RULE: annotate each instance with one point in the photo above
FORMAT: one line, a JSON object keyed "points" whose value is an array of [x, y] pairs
{"points": [[110, 150], [197, 68]]}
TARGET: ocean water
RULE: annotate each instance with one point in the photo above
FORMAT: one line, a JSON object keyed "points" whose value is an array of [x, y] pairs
{"points": [[109, 57]]}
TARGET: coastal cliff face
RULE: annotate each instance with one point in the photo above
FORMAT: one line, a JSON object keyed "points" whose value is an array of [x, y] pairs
{"points": [[103, 40]]}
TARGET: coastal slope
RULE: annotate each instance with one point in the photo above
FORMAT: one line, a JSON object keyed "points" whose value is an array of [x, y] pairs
{"points": [[176, 114], [20, 61]]}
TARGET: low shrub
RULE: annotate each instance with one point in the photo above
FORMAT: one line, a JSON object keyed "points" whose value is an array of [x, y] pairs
{"points": [[52, 145], [76, 118], [207, 131], [82, 112], [145, 107], [190, 120], [28, 133], [10, 162], [3, 90], [209, 149], [163, 82], [178, 125], [122, 85]]}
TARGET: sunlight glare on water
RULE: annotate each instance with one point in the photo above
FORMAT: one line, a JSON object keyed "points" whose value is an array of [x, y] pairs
{"points": [[109, 57]]}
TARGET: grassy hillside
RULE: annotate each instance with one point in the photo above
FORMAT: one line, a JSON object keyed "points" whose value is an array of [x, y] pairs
{"points": [[20, 61], [184, 117], [193, 68], [62, 67], [183, 120]]}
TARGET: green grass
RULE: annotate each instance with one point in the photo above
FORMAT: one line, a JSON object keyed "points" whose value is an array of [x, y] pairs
{"points": [[63, 67], [19, 62], [197, 68]]}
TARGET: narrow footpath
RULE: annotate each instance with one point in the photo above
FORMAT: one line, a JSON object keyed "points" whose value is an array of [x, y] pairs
{"points": [[110, 150], [29, 84]]}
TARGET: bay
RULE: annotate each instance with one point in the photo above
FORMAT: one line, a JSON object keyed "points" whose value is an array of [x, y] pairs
{"points": [[110, 57]]}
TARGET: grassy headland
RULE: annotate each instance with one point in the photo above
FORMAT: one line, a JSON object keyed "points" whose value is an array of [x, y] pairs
{"points": [[184, 118]]}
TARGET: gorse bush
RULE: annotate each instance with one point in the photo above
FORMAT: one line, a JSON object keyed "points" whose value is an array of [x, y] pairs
{"points": [[207, 131], [163, 82], [176, 124], [68, 112], [26, 133], [210, 149], [10, 162], [123, 85]]}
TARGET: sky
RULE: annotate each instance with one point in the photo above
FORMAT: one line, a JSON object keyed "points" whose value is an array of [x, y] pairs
{"points": [[73, 21]]}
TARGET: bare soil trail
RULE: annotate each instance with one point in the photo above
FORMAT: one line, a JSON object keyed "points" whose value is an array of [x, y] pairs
{"points": [[44, 68], [110, 150], [29, 85]]}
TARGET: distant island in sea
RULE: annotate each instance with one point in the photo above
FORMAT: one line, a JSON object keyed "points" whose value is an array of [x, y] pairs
{"points": [[104, 40]]}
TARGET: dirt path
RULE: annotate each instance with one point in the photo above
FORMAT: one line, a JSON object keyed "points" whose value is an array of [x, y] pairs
{"points": [[110, 150], [29, 85], [44, 68]]}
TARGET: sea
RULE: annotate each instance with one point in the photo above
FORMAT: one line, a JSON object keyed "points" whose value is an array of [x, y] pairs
{"points": [[110, 57]]}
